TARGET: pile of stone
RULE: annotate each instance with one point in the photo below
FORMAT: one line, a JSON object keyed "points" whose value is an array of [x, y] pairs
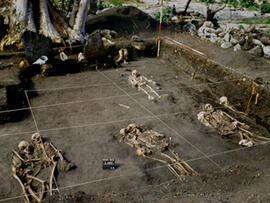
{"points": [[250, 39]]}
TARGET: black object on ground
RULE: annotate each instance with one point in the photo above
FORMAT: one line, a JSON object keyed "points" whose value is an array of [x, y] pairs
{"points": [[108, 164]]}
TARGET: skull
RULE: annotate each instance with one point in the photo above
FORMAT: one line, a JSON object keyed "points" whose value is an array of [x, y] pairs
{"points": [[123, 132], [132, 125], [223, 100], [134, 73], [36, 138], [209, 108], [23, 146], [141, 151]]}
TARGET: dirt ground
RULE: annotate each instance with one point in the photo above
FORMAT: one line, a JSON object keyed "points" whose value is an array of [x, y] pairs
{"points": [[81, 114]]}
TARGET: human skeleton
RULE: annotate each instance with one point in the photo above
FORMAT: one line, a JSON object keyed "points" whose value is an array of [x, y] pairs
{"points": [[143, 84], [149, 143], [32, 159], [228, 125]]}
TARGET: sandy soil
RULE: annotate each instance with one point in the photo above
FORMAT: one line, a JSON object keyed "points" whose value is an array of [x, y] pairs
{"points": [[80, 114]]}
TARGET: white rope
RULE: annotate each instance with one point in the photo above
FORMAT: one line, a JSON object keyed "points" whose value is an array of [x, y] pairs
{"points": [[105, 123], [98, 98]]}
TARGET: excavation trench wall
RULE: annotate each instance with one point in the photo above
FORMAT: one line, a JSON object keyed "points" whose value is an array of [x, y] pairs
{"points": [[238, 86]]}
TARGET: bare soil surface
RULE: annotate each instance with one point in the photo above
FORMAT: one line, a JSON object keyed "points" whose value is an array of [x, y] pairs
{"points": [[81, 114]]}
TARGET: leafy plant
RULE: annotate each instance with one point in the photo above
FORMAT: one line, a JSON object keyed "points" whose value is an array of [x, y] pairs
{"points": [[248, 3], [265, 8], [253, 8], [101, 5], [233, 3], [166, 16], [241, 27], [256, 21], [116, 2]]}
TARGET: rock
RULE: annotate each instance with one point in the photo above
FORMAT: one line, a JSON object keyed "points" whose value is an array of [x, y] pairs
{"points": [[239, 37], [226, 45], [35, 46], [257, 42], [109, 34], [242, 40], [256, 51], [94, 47], [237, 47], [265, 40], [234, 41], [219, 30], [222, 34], [201, 31], [266, 51], [227, 37], [251, 28], [189, 27], [247, 45], [214, 38], [208, 24], [175, 19]]}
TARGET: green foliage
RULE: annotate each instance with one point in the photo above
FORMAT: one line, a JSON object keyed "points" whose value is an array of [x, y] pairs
{"points": [[117, 2], [249, 4], [241, 27], [233, 3], [256, 21], [253, 8], [207, 2], [167, 13], [101, 5], [63, 5], [265, 8]]}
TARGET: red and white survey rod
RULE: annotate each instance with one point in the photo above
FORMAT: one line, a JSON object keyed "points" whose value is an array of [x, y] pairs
{"points": [[159, 31]]}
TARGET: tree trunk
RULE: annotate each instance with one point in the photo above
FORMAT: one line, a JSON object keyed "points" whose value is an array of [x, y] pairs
{"points": [[81, 16], [22, 18], [46, 27], [210, 14], [186, 8]]}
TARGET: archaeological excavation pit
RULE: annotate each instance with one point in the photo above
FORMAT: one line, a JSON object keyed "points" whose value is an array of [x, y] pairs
{"points": [[123, 125], [82, 113]]}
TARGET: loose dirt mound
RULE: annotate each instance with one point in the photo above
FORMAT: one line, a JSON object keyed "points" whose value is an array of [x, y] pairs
{"points": [[125, 20]]}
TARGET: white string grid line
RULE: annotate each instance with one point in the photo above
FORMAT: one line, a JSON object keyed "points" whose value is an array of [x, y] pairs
{"points": [[33, 116], [106, 122], [70, 87], [165, 124], [154, 116], [100, 98], [147, 117]]}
